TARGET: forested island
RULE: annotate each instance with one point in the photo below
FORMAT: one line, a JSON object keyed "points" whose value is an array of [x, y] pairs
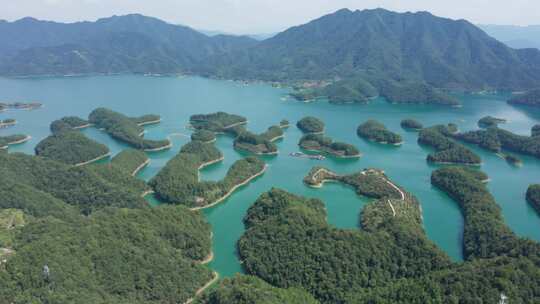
{"points": [[218, 122], [179, 183], [284, 123], [8, 122], [411, 124], [325, 144], [288, 243], [446, 149], [376, 131], [533, 196], [126, 129], [529, 98], [6, 141], [70, 146], [260, 144], [490, 121], [310, 124], [496, 140], [20, 105]]}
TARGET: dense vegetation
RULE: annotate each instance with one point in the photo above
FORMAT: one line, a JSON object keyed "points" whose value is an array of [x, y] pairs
{"points": [[178, 182], [447, 150], [129, 160], [321, 143], [533, 196], [114, 256], [490, 121], [354, 90], [70, 147], [310, 124], [68, 123], [530, 98], [257, 143], [413, 93], [27, 178], [284, 123], [146, 119], [243, 289], [411, 124], [288, 243], [124, 129], [376, 131], [496, 139], [203, 135], [216, 122]]}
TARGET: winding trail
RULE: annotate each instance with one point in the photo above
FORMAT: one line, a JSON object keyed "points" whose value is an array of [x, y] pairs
{"points": [[392, 206], [202, 289]]}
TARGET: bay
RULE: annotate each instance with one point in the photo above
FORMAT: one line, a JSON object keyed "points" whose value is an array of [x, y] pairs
{"points": [[176, 98]]}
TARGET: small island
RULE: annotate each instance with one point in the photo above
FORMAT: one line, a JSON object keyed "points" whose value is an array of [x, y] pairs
{"points": [[490, 121], [179, 182], [513, 160], [529, 98], [204, 136], [324, 144], [126, 129], [376, 131], [310, 124], [218, 122], [20, 106], [411, 124], [447, 150], [10, 140], [68, 123], [260, 144], [284, 123], [533, 197], [71, 147], [9, 122]]}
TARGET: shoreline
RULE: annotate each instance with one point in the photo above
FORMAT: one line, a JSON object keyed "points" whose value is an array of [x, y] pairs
{"points": [[203, 288], [219, 200], [140, 167], [210, 257], [276, 138], [206, 164], [150, 122], [82, 126], [17, 142], [93, 160], [336, 155], [145, 193], [160, 148]]}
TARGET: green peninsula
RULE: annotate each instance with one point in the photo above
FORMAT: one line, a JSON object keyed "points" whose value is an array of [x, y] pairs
{"points": [[9, 140], [125, 129], [446, 149], [310, 124], [376, 131], [496, 139], [533, 197], [490, 121], [130, 160], [179, 183], [70, 146], [324, 144], [204, 136]]}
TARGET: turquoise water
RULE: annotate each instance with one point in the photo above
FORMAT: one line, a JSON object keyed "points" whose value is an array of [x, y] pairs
{"points": [[175, 99]]}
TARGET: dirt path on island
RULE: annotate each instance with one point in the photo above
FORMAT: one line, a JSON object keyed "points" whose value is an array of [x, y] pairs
{"points": [[202, 289]]}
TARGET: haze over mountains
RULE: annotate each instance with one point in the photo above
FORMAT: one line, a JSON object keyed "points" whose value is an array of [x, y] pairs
{"points": [[515, 36], [371, 44]]}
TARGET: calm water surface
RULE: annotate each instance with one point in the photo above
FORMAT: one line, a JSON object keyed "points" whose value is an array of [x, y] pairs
{"points": [[175, 99]]}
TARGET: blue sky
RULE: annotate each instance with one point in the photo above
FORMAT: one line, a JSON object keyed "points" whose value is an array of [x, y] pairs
{"points": [[265, 16]]}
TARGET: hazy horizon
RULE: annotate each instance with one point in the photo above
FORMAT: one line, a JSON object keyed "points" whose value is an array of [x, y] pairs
{"points": [[263, 16]]}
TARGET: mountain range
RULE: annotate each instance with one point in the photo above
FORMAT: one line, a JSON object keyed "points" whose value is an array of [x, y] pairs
{"points": [[369, 44]]}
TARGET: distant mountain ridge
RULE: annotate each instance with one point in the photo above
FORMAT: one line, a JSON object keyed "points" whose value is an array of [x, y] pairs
{"points": [[515, 36], [372, 45]]}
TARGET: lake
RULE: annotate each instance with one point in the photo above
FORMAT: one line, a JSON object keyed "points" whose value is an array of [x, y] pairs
{"points": [[176, 98]]}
